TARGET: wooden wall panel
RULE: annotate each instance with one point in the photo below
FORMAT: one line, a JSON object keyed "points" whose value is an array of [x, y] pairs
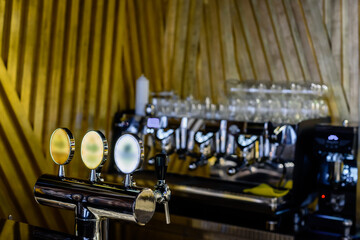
{"points": [[243, 58], [253, 38], [74, 63], [286, 42], [52, 52], [190, 84], [269, 42], [213, 37]]}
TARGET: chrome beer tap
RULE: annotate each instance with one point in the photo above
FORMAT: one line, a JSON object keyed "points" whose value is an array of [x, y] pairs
{"points": [[95, 201], [162, 191], [129, 155]]}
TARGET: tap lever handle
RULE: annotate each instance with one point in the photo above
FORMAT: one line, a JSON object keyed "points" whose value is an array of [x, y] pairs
{"points": [[161, 164], [62, 148], [167, 212]]}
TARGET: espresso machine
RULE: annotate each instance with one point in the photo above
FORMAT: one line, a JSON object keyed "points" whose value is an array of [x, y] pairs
{"points": [[297, 179], [94, 201], [217, 167]]}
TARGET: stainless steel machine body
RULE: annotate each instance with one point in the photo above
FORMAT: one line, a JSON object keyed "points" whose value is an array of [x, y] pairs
{"points": [[237, 157]]}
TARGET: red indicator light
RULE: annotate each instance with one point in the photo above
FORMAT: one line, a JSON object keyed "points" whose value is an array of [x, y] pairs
{"points": [[323, 196]]}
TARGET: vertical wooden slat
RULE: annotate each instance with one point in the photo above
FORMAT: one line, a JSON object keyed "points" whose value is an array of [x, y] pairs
{"points": [[134, 37], [129, 95], [159, 32], [350, 42], [304, 50], [120, 39], [227, 40], [142, 26], [2, 22], [169, 41], [285, 40], [81, 68], [116, 89], [269, 42], [328, 15], [177, 67], [68, 78], [203, 76], [82, 64], [131, 60], [345, 47], [95, 54], [214, 46], [155, 51], [14, 48], [49, 70], [295, 34], [30, 55], [192, 46], [42, 73], [109, 32], [253, 40], [53, 96], [6, 31], [243, 56], [336, 35], [321, 7]]}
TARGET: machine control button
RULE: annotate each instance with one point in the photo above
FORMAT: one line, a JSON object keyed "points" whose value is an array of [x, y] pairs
{"points": [[337, 202]]}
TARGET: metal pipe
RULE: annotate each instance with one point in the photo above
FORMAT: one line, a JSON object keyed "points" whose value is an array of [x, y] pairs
{"points": [[96, 200]]}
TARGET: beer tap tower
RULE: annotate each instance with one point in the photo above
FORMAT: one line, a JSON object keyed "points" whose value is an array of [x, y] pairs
{"points": [[95, 201]]}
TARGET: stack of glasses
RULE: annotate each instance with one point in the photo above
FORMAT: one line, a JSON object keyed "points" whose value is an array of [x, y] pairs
{"points": [[251, 102]]}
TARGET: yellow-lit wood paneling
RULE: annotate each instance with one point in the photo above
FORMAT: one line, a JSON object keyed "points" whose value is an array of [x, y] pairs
{"points": [[73, 63], [59, 66]]}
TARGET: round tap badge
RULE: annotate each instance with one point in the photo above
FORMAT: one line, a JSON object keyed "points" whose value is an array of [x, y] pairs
{"points": [[94, 149], [62, 146], [128, 153]]}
